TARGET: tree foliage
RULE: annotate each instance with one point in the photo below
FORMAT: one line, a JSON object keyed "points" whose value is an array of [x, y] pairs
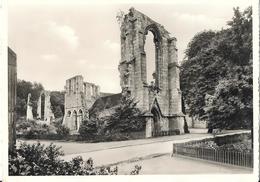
{"points": [[216, 77], [88, 129], [40, 160], [62, 130], [23, 89], [57, 103], [26, 87], [127, 117]]}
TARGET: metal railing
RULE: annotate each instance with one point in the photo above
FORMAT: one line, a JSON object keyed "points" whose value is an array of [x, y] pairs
{"points": [[244, 159]]}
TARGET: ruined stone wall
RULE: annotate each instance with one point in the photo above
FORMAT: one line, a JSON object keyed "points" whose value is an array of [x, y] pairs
{"points": [[48, 115], [12, 86], [29, 113], [132, 67], [91, 93], [79, 97]]}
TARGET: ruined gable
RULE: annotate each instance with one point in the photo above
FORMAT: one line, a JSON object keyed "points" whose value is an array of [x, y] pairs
{"points": [[133, 72]]}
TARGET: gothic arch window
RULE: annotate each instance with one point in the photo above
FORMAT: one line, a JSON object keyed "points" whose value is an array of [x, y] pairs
{"points": [[69, 114], [75, 121], [42, 106], [80, 115], [152, 54]]}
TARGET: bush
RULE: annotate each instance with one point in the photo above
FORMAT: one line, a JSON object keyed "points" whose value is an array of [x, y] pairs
{"points": [[62, 131], [88, 129], [38, 160], [31, 129]]}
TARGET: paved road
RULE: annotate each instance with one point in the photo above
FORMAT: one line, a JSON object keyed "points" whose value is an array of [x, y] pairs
{"points": [[81, 147], [111, 152], [181, 165]]}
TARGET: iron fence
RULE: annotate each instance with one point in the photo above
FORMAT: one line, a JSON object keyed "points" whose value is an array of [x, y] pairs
{"points": [[244, 159]]}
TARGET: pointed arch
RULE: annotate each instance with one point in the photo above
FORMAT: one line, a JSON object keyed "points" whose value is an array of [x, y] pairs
{"points": [[80, 115], [75, 121]]}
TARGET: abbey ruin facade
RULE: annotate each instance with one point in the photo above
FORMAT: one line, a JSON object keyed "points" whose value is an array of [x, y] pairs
{"points": [[160, 99], [79, 97]]}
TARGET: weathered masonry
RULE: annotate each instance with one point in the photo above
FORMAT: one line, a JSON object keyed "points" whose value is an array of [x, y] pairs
{"points": [[160, 99], [12, 86], [79, 97], [44, 111]]}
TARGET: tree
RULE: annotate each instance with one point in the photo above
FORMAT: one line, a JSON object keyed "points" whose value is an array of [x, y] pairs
{"points": [[231, 105], [88, 129], [218, 67], [126, 118], [23, 89], [57, 103]]}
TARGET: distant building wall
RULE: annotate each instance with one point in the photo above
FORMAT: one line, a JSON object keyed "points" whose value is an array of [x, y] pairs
{"points": [[12, 85]]}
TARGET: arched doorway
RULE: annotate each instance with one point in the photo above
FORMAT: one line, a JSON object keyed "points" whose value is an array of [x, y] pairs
{"points": [[156, 121], [75, 121], [69, 114]]}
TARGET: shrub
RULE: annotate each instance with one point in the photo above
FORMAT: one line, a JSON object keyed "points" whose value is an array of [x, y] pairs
{"points": [[88, 129], [38, 160], [127, 117], [31, 129], [62, 131]]}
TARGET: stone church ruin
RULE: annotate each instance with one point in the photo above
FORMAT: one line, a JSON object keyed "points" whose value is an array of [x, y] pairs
{"points": [[44, 109], [160, 99], [79, 97]]}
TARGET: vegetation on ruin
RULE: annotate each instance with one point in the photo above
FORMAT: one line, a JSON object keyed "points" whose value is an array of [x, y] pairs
{"points": [[40, 160], [216, 76]]}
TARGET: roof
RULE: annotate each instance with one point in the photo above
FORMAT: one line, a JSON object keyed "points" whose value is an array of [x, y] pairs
{"points": [[106, 102]]}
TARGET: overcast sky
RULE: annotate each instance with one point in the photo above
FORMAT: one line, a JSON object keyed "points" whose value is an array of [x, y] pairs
{"points": [[55, 41]]}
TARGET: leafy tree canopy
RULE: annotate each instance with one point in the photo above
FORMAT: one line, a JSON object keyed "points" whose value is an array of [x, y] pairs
{"points": [[216, 77], [23, 89]]}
